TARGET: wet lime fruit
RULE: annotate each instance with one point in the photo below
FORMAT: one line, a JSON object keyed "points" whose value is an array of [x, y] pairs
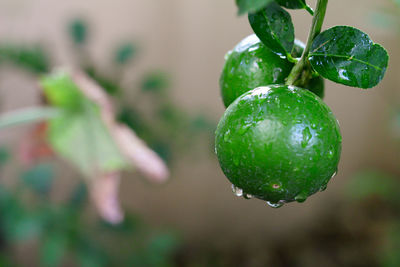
{"points": [[251, 64], [279, 144]]}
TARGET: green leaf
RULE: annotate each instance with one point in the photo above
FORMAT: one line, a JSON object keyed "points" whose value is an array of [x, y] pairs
{"points": [[247, 6], [155, 81], [292, 4], [125, 53], [83, 139], [78, 31], [79, 134], [348, 56], [110, 86], [39, 178], [273, 25], [32, 58], [62, 92]]}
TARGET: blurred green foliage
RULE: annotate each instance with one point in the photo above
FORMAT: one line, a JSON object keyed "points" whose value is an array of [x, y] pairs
{"points": [[65, 234], [33, 58], [62, 230]]}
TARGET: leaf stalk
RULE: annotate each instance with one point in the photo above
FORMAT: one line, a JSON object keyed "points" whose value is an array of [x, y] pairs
{"points": [[316, 26]]}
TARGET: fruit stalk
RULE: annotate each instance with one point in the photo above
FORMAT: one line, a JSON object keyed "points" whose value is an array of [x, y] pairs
{"points": [[316, 26]]}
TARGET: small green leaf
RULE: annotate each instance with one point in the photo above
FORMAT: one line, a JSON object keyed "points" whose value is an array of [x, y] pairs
{"points": [[155, 81], [273, 25], [348, 56], [78, 31], [125, 53], [246, 6]]}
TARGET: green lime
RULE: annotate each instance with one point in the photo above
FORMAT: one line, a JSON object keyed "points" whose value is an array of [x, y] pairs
{"points": [[250, 65], [278, 143]]}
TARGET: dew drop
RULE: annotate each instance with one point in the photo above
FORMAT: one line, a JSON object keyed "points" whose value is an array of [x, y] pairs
{"points": [[237, 191], [226, 136], [248, 196], [330, 154], [275, 205], [301, 197], [323, 188]]}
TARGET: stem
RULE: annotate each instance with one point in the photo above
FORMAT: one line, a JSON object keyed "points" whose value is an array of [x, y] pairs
{"points": [[309, 9], [318, 20]]}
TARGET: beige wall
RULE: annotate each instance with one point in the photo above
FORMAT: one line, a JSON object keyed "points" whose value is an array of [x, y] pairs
{"points": [[189, 38]]}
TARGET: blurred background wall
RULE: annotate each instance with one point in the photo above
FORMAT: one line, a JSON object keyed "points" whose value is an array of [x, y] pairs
{"points": [[188, 39]]}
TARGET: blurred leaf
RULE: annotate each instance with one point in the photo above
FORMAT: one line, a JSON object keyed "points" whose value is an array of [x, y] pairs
{"points": [[389, 252], [84, 140], [108, 85], [4, 155], [78, 30], [352, 60], [62, 92], [128, 225], [21, 225], [371, 183], [28, 115], [125, 53], [78, 196], [79, 134], [201, 123], [32, 58], [39, 178], [247, 6], [267, 24], [158, 251], [91, 256], [155, 81], [53, 249]]}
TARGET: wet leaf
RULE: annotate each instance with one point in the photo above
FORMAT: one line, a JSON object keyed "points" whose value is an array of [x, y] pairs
{"points": [[348, 56], [292, 4], [246, 6], [273, 26]]}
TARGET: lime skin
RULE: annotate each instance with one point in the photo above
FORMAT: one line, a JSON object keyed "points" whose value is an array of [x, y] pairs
{"points": [[251, 64], [278, 143]]}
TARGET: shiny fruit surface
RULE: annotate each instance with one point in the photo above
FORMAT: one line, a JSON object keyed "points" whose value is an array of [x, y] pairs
{"points": [[278, 143]]}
